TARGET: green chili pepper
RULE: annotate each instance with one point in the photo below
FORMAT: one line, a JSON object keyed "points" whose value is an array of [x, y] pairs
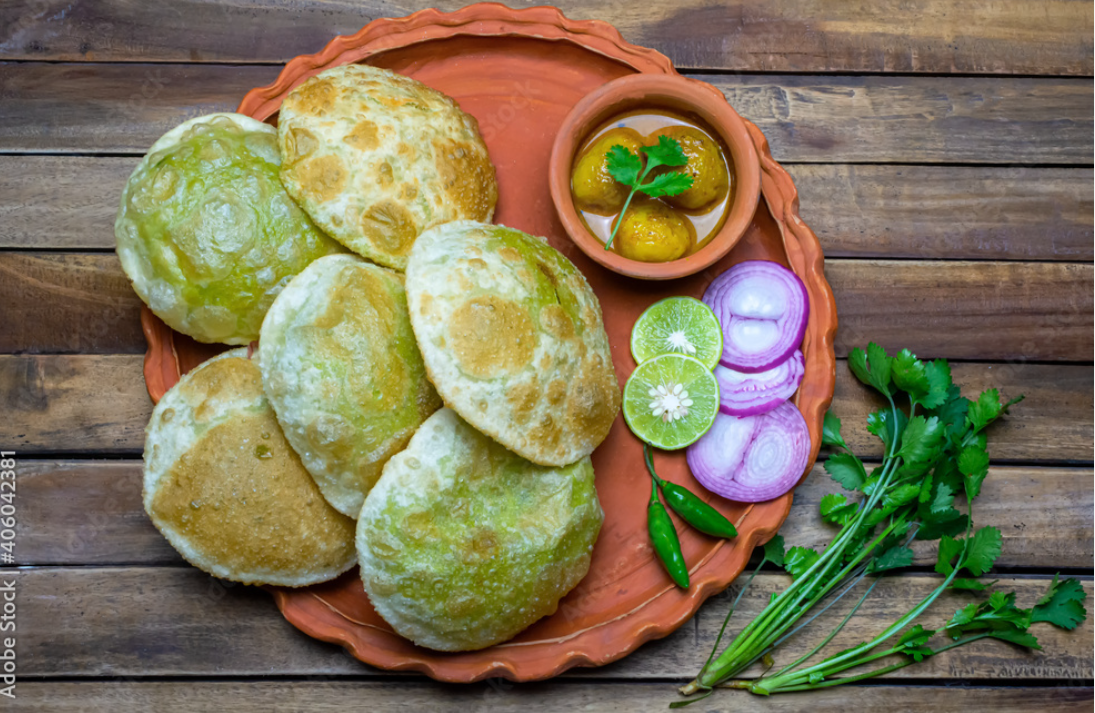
{"points": [[664, 537], [689, 506]]}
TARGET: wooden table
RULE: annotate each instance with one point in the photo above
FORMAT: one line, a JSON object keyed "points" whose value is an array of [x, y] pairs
{"points": [[943, 152]]}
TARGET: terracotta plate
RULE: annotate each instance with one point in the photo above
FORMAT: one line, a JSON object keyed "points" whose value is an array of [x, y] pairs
{"points": [[519, 73]]}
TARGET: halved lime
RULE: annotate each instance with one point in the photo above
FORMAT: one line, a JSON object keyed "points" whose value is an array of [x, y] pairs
{"points": [[677, 325], [670, 401]]}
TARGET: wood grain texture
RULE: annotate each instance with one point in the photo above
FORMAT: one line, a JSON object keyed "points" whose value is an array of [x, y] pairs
{"points": [[1025, 311], [123, 108], [960, 310], [946, 212], [167, 621], [73, 404], [506, 697], [917, 119], [81, 513], [67, 303], [1044, 37], [54, 406]]}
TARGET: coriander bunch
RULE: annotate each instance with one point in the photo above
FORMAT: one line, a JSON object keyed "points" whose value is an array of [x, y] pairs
{"points": [[933, 451]]}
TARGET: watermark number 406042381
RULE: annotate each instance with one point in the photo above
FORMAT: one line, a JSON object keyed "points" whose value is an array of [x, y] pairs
{"points": [[7, 587]]}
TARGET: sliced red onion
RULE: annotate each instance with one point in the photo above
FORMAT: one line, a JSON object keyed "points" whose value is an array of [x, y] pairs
{"points": [[763, 308], [752, 459], [743, 394]]}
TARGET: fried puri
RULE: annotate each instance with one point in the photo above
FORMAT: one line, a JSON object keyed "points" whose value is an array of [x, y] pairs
{"points": [[206, 232], [340, 365], [228, 492], [513, 339], [462, 543], [375, 158]]}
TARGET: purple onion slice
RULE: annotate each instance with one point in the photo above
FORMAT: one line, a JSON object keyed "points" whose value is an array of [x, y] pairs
{"points": [[743, 394], [754, 458], [763, 308]]}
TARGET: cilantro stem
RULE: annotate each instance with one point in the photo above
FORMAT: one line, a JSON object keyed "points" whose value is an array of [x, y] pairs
{"points": [[620, 217]]}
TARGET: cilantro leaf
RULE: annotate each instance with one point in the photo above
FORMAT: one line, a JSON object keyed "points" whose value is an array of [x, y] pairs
{"points": [[667, 152], [799, 559], [943, 501], [892, 559], [847, 470], [914, 642], [773, 550], [909, 375], [1017, 636], [623, 165], [983, 549], [1062, 604], [881, 367], [835, 508], [873, 368], [938, 373], [949, 548], [881, 423], [952, 413], [973, 585], [921, 440], [973, 462], [946, 524], [986, 409], [916, 636], [830, 431], [666, 184]]}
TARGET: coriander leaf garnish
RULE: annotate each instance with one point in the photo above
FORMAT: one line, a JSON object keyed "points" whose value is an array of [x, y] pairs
{"points": [[627, 168]]}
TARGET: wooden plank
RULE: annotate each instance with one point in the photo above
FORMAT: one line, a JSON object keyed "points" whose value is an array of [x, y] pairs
{"points": [[1044, 37], [73, 404], [949, 212], [61, 202], [917, 119], [67, 302], [167, 621], [55, 405], [960, 310], [506, 697], [123, 108], [70, 302], [81, 513]]}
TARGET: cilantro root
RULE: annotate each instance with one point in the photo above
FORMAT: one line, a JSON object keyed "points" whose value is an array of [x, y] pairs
{"points": [[627, 168], [931, 458]]}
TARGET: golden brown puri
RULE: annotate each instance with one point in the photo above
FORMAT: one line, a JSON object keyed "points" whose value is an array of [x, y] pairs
{"points": [[463, 544], [375, 158], [513, 340], [229, 493], [340, 366]]}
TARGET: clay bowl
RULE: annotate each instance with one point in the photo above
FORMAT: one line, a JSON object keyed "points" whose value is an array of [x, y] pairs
{"points": [[653, 91]]}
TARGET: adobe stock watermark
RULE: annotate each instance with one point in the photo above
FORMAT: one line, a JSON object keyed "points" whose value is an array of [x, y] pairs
{"points": [[7, 586]]}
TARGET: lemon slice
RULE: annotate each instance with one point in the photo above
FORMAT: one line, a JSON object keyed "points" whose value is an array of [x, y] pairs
{"points": [[677, 325], [670, 401]]}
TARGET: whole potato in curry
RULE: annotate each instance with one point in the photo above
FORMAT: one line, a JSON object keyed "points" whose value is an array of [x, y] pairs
{"points": [[593, 187], [651, 231], [706, 165]]}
